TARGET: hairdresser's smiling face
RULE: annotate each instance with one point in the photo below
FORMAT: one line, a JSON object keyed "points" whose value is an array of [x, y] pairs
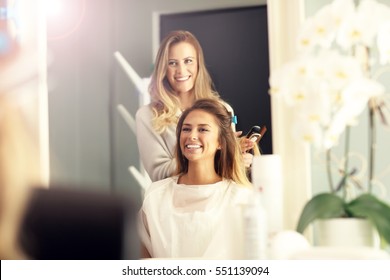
{"points": [[182, 67], [199, 137]]}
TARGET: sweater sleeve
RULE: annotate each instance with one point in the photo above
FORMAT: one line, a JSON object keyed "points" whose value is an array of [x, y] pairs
{"points": [[156, 150]]}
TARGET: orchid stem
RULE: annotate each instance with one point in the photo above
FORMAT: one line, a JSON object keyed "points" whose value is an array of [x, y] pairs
{"points": [[372, 145], [328, 169], [346, 152]]}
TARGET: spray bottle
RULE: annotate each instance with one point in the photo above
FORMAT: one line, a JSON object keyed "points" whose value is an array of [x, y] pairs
{"points": [[255, 228]]}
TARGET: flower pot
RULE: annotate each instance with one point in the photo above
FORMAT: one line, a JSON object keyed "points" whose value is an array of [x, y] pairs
{"points": [[346, 232]]}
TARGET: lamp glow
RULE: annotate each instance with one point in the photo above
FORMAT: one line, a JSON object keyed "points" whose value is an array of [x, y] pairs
{"points": [[53, 7]]}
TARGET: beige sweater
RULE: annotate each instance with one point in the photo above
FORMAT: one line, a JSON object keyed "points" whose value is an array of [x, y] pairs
{"points": [[157, 151]]}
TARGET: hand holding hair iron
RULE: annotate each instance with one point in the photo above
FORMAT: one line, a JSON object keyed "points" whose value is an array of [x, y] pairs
{"points": [[256, 133]]}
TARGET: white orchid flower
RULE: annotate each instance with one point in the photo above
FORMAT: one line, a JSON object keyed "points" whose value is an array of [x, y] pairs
{"points": [[317, 106], [308, 131], [383, 42], [318, 30], [356, 96], [280, 81], [356, 29], [376, 12], [362, 26], [306, 39], [328, 85], [341, 9], [331, 135], [289, 81], [338, 69]]}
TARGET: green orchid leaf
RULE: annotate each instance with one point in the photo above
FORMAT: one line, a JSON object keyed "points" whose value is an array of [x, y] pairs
{"points": [[375, 210], [321, 206]]}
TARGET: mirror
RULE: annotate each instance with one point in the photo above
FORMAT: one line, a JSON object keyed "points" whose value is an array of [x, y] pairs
{"points": [[90, 142]]}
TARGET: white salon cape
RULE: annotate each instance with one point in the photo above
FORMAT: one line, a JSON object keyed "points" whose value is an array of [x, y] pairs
{"points": [[185, 221]]}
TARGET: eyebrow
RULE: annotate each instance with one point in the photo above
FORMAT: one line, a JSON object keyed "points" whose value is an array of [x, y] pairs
{"points": [[202, 124], [182, 59]]}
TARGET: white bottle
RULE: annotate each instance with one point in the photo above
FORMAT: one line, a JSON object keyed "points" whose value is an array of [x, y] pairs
{"points": [[267, 178], [255, 228]]}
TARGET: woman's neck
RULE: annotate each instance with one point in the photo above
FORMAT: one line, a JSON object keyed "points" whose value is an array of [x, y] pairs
{"points": [[200, 174], [186, 100]]}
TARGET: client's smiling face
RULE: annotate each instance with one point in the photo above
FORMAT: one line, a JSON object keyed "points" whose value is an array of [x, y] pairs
{"points": [[199, 136]]}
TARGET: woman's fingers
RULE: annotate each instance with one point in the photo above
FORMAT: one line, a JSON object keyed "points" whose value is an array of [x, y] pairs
{"points": [[248, 158], [246, 145]]}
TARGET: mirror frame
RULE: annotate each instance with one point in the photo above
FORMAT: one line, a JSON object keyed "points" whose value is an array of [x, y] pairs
{"points": [[284, 20]]}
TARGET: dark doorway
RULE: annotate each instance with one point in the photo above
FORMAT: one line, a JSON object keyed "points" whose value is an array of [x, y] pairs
{"points": [[235, 45]]}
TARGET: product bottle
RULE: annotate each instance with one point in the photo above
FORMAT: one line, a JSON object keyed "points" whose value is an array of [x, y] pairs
{"points": [[255, 228]]}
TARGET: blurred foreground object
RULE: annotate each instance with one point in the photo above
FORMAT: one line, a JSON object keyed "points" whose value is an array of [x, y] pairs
{"points": [[18, 171], [23, 123], [64, 223]]}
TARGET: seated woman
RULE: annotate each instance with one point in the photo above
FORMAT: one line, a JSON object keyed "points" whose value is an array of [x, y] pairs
{"points": [[197, 213]]}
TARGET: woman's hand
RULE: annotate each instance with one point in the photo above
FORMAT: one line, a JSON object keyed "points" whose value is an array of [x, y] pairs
{"points": [[248, 159], [246, 145]]}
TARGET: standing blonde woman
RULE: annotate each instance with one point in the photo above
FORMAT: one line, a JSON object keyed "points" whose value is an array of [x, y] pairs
{"points": [[179, 78]]}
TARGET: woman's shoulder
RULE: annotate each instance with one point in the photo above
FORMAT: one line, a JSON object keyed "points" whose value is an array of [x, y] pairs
{"points": [[233, 184], [144, 111], [240, 193], [160, 186]]}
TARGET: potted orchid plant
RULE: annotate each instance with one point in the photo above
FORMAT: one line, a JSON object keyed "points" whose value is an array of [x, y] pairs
{"points": [[343, 49]]}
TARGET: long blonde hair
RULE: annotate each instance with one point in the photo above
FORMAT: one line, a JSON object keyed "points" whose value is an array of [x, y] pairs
{"points": [[164, 100], [228, 161]]}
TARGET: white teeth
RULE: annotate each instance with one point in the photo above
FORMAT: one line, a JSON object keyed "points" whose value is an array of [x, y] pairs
{"points": [[193, 146], [181, 79]]}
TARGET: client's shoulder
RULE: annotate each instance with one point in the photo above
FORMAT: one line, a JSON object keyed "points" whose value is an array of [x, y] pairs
{"points": [[160, 186], [240, 193]]}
